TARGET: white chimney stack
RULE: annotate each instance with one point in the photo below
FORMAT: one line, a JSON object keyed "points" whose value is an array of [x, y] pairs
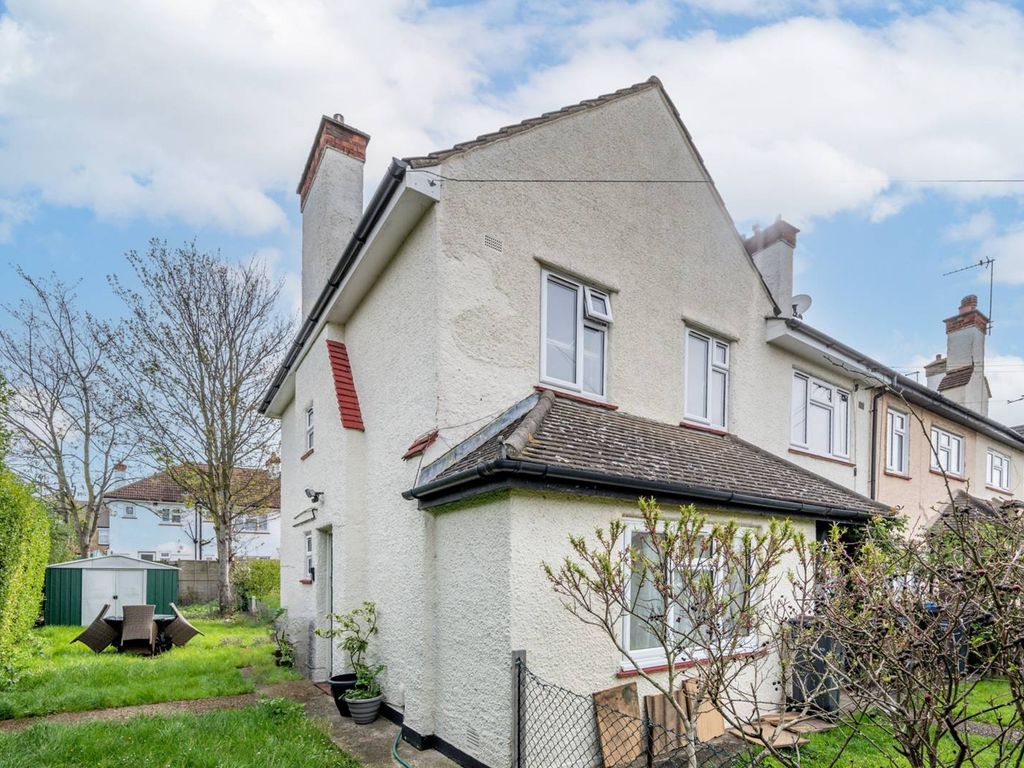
{"points": [[331, 201], [772, 251], [961, 376]]}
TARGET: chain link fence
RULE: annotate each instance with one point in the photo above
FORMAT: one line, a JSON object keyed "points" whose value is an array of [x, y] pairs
{"points": [[558, 728]]}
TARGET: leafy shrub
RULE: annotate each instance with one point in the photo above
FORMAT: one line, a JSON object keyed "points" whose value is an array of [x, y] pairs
{"points": [[24, 548], [257, 578]]}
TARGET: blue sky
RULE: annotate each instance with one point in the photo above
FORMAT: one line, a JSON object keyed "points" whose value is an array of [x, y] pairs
{"points": [[124, 121]]}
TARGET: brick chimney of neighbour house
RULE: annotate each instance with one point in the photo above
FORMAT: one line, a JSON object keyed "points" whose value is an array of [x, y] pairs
{"points": [[331, 200], [772, 249], [960, 376]]}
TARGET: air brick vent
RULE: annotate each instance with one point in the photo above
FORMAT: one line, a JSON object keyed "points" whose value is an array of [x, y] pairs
{"points": [[490, 241]]}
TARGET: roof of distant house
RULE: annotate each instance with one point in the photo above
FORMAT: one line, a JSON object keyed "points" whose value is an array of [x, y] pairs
{"points": [[957, 377], [589, 448], [160, 487]]}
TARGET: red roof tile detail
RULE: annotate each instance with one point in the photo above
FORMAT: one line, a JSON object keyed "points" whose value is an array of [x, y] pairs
{"points": [[420, 445], [345, 386]]}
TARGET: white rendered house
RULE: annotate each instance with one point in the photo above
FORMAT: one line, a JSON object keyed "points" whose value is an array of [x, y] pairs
{"points": [[152, 519], [513, 341]]}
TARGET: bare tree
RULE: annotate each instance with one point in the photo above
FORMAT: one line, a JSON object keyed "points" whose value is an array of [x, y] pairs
{"points": [[201, 346], [68, 425]]}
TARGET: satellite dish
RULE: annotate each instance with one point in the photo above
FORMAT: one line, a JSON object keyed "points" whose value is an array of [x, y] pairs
{"points": [[801, 303]]}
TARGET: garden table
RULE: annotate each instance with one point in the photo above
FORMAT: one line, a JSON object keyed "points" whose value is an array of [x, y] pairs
{"points": [[162, 621]]}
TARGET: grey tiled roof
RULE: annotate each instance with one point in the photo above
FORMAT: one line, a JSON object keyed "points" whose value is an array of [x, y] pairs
{"points": [[435, 157], [561, 432]]}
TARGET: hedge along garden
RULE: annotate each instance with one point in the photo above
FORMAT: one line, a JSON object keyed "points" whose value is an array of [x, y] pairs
{"points": [[24, 546]]}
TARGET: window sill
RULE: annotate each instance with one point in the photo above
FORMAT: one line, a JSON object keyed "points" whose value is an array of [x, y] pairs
{"points": [[703, 428], [305, 581], [577, 397], [655, 668], [170, 525], [255, 533], [823, 457], [951, 475], [307, 454], [897, 475], [997, 489]]}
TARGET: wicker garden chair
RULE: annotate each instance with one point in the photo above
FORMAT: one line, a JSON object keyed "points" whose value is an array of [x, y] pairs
{"points": [[180, 631], [139, 625], [99, 634]]}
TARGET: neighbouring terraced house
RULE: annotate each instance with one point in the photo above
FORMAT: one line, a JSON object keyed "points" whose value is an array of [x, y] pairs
{"points": [[490, 363]]}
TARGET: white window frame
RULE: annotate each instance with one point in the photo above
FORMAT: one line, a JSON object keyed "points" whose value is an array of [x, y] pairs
{"points": [[310, 427], [994, 457], [129, 511], [893, 463], [837, 393], [714, 342], [254, 524], [103, 536], [938, 436], [167, 515], [308, 553], [586, 317], [142, 556], [653, 657]]}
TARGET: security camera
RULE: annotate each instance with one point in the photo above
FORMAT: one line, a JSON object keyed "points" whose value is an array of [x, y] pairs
{"points": [[314, 496]]}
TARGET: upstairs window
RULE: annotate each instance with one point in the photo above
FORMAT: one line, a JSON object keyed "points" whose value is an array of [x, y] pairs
{"points": [[707, 379], [574, 331], [129, 511], [170, 516], [254, 523], [947, 451], [998, 470], [309, 428], [897, 442], [820, 417]]}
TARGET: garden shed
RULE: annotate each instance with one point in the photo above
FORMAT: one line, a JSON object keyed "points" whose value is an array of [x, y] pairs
{"points": [[77, 590]]}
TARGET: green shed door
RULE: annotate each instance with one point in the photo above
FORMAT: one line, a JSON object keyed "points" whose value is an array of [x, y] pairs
{"points": [[62, 588], [161, 589]]}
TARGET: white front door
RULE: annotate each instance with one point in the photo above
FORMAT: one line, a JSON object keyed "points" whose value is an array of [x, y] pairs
{"points": [[97, 589], [114, 588]]}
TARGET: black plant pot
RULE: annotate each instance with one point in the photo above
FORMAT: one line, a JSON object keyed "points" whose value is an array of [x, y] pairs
{"points": [[341, 685]]}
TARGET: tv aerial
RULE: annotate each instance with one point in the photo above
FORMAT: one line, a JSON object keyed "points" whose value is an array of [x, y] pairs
{"points": [[990, 265]]}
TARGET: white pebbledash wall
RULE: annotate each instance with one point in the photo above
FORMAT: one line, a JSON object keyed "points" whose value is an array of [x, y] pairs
{"points": [[448, 337]]}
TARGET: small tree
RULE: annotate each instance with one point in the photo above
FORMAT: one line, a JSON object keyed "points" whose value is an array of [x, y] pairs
{"points": [[199, 352], [693, 591], [68, 425]]}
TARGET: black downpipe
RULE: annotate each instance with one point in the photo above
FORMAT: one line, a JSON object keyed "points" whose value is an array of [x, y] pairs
{"points": [[873, 469]]}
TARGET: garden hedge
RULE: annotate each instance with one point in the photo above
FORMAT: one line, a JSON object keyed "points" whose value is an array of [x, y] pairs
{"points": [[257, 578], [24, 546]]}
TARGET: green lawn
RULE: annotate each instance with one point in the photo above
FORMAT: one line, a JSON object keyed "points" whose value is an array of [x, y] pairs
{"points": [[272, 734], [71, 678]]}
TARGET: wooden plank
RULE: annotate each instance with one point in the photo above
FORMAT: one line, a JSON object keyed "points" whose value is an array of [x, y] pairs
{"points": [[782, 739], [668, 730], [797, 722], [619, 727], [709, 721]]}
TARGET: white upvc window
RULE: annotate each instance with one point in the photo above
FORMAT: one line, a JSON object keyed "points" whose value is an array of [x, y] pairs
{"points": [[998, 470], [310, 570], [707, 379], [129, 511], [103, 536], [309, 428], [820, 417], [948, 451], [644, 646], [170, 516], [254, 523], [574, 335], [147, 556], [897, 451]]}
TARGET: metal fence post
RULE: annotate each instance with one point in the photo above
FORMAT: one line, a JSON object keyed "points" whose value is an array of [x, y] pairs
{"points": [[518, 664], [648, 740]]}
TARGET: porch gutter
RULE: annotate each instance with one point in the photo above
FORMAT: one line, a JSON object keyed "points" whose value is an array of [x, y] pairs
{"points": [[515, 472]]}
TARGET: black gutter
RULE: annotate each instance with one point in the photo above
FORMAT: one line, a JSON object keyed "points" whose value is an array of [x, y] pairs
{"points": [[918, 393], [530, 471], [381, 197], [873, 469]]}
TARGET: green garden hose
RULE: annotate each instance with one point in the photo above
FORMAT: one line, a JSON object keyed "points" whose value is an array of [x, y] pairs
{"points": [[394, 750]]}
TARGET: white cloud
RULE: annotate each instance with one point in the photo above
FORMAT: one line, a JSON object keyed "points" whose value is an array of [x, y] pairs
{"points": [[1007, 248], [976, 227], [1005, 375], [203, 112]]}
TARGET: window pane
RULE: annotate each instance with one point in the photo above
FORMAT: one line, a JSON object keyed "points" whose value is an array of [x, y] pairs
{"points": [[820, 393], [819, 428], [799, 411], [721, 354], [697, 376], [593, 360], [600, 304], [561, 332], [719, 386], [644, 598], [842, 424]]}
